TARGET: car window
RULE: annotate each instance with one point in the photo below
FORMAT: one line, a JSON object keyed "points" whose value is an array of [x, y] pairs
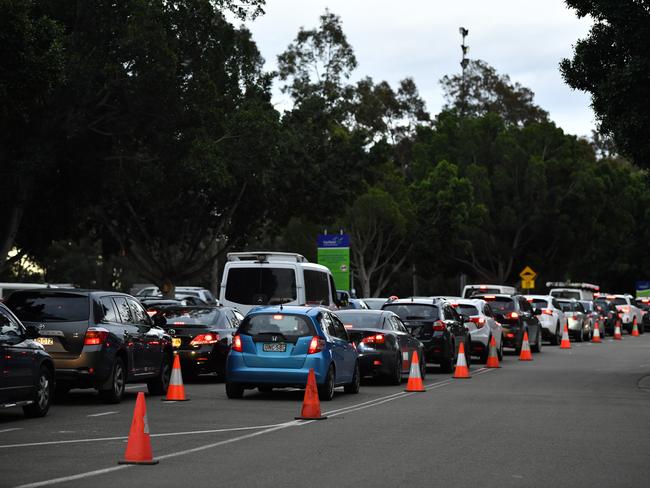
{"points": [[449, 313], [10, 330], [105, 310], [556, 304], [398, 325], [413, 311], [261, 285], [341, 333], [277, 323], [317, 287], [49, 307], [139, 314], [123, 310], [327, 325], [238, 315]]}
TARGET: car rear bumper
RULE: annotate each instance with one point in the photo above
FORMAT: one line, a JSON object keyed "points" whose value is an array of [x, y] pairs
{"points": [[87, 370], [436, 349], [376, 363], [238, 372], [202, 360]]}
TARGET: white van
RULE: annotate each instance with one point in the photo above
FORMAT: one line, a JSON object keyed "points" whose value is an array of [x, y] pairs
{"points": [[470, 290], [576, 291], [273, 278]]}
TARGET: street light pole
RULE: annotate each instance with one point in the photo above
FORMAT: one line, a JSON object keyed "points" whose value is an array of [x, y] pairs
{"points": [[463, 63]]}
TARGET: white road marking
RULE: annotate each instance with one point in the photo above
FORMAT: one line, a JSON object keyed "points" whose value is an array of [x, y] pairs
{"points": [[10, 430], [101, 414], [293, 423]]}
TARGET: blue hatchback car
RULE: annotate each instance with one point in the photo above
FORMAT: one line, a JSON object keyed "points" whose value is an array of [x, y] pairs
{"points": [[275, 347]]}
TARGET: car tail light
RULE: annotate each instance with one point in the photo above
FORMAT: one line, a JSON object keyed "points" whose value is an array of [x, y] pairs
{"points": [[203, 339], [316, 345], [547, 311], [625, 309], [529, 299], [236, 344], [510, 335], [489, 297], [374, 339], [95, 336], [512, 315], [151, 313], [439, 325], [479, 321]]}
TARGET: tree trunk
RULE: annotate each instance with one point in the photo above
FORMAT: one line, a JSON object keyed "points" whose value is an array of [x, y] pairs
{"points": [[168, 288]]}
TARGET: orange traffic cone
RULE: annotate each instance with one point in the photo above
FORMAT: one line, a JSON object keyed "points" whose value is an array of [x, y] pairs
{"points": [[617, 331], [176, 390], [415, 378], [311, 403], [596, 336], [493, 357], [138, 448], [566, 342], [525, 354], [635, 328], [461, 371]]}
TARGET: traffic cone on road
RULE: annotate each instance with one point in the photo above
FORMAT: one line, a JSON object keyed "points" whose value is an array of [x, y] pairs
{"points": [[525, 354], [176, 390], [311, 403], [617, 331], [415, 378], [566, 343], [138, 448], [596, 336], [635, 328], [493, 357], [461, 371]]}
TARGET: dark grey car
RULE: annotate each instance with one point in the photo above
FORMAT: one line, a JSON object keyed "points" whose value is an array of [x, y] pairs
{"points": [[97, 339]]}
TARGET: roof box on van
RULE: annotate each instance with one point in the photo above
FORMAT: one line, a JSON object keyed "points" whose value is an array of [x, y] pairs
{"points": [[267, 257], [581, 286]]}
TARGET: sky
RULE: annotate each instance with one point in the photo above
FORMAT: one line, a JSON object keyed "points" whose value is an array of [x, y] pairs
{"points": [[394, 39]]}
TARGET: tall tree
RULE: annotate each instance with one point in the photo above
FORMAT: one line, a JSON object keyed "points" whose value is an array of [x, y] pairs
{"points": [[613, 64]]}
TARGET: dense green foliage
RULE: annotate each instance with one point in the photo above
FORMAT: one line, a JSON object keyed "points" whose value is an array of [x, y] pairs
{"points": [[140, 144]]}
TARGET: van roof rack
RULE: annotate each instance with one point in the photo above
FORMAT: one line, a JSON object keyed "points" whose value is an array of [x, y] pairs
{"points": [[581, 286], [267, 257]]}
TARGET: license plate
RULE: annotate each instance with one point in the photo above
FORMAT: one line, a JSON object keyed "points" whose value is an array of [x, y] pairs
{"points": [[176, 342], [46, 341], [274, 347]]}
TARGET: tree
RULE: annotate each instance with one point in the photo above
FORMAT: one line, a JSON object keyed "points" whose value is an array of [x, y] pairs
{"points": [[484, 91], [31, 51], [613, 65]]}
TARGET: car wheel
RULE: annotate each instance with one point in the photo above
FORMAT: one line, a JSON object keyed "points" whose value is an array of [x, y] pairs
{"points": [[326, 390], [396, 377], [234, 390], [115, 393], [500, 350], [159, 384], [537, 347], [557, 337], [42, 395], [353, 386], [423, 366], [484, 355], [468, 354], [580, 335]]}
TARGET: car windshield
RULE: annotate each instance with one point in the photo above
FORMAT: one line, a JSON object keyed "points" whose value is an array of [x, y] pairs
{"points": [[192, 316], [42, 307], [539, 303], [501, 305], [375, 303], [470, 310], [357, 320], [470, 292], [278, 323], [619, 301], [414, 311], [601, 305], [569, 306], [261, 285], [566, 294]]}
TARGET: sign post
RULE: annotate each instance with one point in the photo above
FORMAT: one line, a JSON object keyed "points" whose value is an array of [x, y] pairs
{"points": [[334, 253], [527, 276]]}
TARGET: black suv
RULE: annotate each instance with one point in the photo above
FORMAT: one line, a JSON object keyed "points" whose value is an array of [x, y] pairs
{"points": [[516, 316], [98, 339], [27, 378], [439, 327]]}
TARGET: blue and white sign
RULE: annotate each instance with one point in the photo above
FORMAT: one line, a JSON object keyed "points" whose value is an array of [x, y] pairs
{"points": [[333, 240]]}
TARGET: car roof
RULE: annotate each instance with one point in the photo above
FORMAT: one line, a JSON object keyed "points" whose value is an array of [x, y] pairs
{"points": [[76, 291], [289, 309], [416, 301], [365, 311]]}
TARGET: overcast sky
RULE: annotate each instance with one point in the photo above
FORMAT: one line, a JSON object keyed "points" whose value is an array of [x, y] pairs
{"points": [[393, 39]]}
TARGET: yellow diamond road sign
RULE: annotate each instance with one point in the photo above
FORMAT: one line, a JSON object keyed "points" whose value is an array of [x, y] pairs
{"points": [[528, 274]]}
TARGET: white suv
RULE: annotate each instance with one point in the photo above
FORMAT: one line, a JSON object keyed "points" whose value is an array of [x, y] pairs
{"points": [[628, 312], [550, 315]]}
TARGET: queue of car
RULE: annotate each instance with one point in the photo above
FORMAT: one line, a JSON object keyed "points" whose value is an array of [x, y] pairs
{"points": [[278, 317]]}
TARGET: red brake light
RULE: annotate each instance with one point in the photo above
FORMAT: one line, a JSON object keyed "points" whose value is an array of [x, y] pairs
{"points": [[439, 325], [203, 339], [489, 297], [316, 345], [479, 321], [236, 344], [95, 337], [374, 339], [512, 315], [151, 313], [277, 317], [547, 311], [529, 299]]}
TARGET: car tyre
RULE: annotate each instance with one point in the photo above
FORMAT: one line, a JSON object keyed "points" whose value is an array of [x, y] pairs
{"points": [[115, 393], [396, 377], [537, 347], [326, 390], [423, 367], [486, 352], [43, 394], [500, 350], [557, 337], [354, 385], [580, 335], [159, 384], [234, 390], [447, 364]]}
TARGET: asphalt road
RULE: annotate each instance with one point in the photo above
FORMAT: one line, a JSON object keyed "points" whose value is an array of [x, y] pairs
{"points": [[571, 418]]}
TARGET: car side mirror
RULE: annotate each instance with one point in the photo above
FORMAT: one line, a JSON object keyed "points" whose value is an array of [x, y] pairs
{"points": [[159, 320], [32, 332], [537, 311]]}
